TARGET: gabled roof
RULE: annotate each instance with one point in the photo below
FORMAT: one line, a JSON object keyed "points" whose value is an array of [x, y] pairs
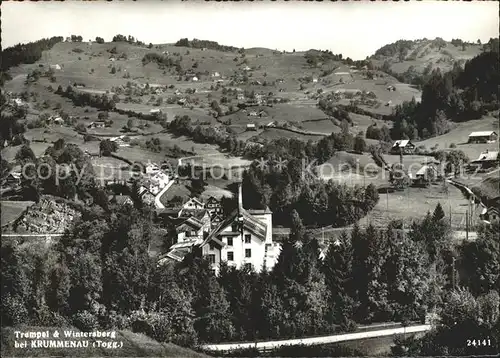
{"points": [[481, 134], [250, 223], [197, 213], [401, 143], [190, 224]]}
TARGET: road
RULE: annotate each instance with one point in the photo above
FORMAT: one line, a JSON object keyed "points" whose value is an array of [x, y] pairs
{"points": [[316, 340]]}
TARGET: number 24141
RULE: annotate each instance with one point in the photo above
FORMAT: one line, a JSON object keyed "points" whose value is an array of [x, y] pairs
{"points": [[479, 343]]}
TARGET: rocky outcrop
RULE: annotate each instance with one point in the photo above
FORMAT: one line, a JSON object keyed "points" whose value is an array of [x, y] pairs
{"points": [[47, 217]]}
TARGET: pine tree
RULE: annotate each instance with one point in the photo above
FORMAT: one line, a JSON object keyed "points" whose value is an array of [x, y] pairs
{"points": [[337, 268]]}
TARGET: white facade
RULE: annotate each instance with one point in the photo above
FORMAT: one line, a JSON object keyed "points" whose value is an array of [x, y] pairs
{"points": [[193, 203]]}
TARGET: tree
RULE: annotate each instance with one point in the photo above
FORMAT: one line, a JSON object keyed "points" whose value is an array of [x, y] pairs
{"points": [[337, 268], [99, 40], [130, 124], [359, 144], [25, 154], [297, 229], [106, 147]]}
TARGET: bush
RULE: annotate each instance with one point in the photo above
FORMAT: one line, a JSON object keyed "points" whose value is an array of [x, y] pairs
{"points": [[85, 321], [453, 145]]}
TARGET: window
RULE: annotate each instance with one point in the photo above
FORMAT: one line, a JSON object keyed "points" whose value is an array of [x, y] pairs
{"points": [[211, 258], [211, 246], [234, 227], [229, 241], [230, 256], [248, 239], [248, 252]]}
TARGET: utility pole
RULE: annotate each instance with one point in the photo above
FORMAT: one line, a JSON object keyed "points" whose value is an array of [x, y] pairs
{"points": [[453, 279], [467, 225]]}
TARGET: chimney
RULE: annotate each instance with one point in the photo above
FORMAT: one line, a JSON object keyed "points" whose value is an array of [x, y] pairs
{"points": [[240, 196]]}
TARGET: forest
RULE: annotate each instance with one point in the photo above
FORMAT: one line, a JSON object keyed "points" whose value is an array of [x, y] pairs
{"points": [[455, 96], [100, 275]]}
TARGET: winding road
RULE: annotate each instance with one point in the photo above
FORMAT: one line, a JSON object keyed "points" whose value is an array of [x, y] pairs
{"points": [[316, 340]]}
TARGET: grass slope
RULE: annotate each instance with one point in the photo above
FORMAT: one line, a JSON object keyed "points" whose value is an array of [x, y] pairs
{"points": [[134, 345], [423, 52]]}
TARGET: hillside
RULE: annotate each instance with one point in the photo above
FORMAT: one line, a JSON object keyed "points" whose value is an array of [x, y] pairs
{"points": [[134, 345], [424, 55]]}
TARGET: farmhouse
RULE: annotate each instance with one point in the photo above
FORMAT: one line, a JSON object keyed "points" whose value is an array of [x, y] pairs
{"points": [[146, 196], [97, 124], [216, 74], [13, 178], [121, 200], [155, 111], [425, 175], [242, 239], [18, 101], [152, 168], [253, 113], [403, 145], [483, 137], [487, 159], [391, 88], [251, 127], [246, 68], [213, 206], [193, 203], [194, 79], [271, 125], [55, 67]]}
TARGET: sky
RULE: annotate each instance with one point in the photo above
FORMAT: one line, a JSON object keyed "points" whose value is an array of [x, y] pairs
{"points": [[355, 29]]}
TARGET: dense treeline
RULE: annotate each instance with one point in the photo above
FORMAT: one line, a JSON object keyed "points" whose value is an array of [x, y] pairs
{"points": [[100, 276], [200, 44], [63, 171], [458, 95], [27, 53], [81, 99], [292, 188], [162, 61], [11, 124], [282, 148]]}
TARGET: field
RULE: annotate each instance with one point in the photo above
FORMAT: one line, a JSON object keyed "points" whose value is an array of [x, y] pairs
{"points": [[414, 203], [422, 54], [459, 136], [134, 345]]}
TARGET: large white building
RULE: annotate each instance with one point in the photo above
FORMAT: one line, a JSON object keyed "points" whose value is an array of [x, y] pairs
{"points": [[243, 238]]}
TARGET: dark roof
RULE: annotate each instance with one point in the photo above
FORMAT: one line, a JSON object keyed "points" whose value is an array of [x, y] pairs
{"points": [[250, 223], [197, 213], [190, 224]]}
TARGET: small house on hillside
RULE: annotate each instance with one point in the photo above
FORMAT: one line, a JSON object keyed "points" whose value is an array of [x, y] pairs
{"points": [[12, 179], [425, 175], [121, 200], [315, 80], [18, 101], [404, 146], [155, 111], [194, 79], [483, 137], [216, 74], [487, 159], [193, 203], [391, 88], [55, 67], [251, 127], [97, 124], [253, 113], [213, 206]]}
